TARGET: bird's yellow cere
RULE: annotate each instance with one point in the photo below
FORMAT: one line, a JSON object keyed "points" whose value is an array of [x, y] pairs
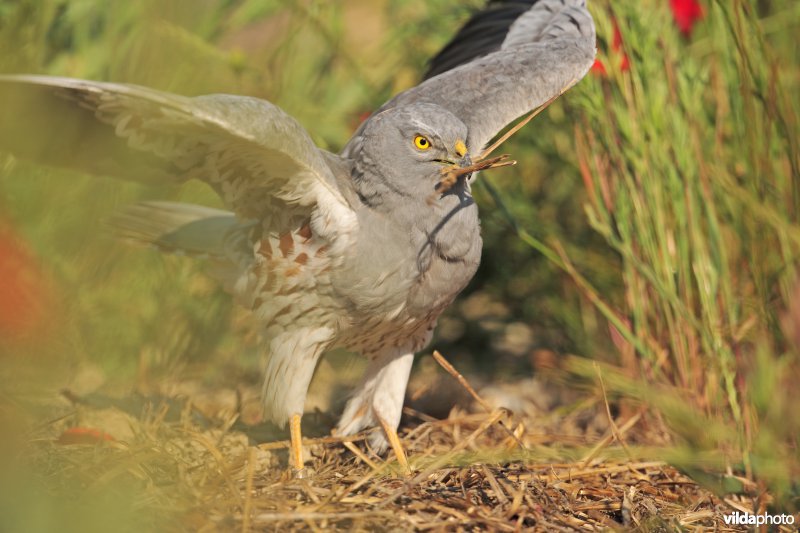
{"points": [[461, 148]]}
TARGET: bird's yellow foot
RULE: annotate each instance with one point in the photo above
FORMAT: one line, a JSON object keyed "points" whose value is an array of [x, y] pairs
{"points": [[296, 447]]}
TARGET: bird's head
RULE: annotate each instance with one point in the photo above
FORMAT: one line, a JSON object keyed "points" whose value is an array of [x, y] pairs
{"points": [[408, 150]]}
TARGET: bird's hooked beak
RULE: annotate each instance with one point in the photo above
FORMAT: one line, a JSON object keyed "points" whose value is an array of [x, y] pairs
{"points": [[464, 160], [458, 158]]}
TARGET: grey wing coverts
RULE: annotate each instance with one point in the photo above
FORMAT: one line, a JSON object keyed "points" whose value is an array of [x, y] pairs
{"points": [[260, 160]]}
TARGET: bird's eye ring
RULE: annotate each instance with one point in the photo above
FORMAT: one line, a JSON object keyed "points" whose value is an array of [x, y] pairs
{"points": [[422, 142]]}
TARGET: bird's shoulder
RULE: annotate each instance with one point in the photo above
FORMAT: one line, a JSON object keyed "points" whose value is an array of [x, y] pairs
{"points": [[341, 177]]}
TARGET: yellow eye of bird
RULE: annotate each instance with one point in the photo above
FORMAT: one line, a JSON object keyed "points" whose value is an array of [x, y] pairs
{"points": [[422, 142]]}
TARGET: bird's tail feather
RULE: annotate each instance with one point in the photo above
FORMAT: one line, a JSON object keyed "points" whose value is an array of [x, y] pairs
{"points": [[179, 228]]}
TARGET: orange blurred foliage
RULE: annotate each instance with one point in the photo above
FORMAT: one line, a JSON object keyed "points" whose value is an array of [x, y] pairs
{"points": [[27, 295]]}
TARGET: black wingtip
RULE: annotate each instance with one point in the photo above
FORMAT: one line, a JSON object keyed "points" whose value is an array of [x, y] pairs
{"points": [[482, 34]]}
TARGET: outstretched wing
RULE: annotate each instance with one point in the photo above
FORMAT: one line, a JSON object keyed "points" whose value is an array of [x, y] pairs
{"points": [[507, 60], [262, 162]]}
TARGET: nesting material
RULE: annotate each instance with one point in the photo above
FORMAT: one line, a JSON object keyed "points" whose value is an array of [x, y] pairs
{"points": [[474, 469]]}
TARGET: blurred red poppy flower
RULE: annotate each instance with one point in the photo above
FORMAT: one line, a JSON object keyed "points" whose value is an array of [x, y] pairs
{"points": [[686, 14], [599, 68], [616, 47]]}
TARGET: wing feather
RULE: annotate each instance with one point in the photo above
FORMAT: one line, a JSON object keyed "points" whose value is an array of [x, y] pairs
{"points": [[262, 162]]}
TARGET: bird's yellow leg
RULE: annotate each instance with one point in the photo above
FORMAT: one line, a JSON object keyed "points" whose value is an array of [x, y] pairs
{"points": [[394, 442], [296, 442]]}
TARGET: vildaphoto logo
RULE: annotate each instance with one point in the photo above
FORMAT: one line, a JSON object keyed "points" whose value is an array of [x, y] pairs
{"points": [[747, 519]]}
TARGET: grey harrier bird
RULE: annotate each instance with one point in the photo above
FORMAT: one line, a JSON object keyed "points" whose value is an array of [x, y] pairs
{"points": [[361, 250]]}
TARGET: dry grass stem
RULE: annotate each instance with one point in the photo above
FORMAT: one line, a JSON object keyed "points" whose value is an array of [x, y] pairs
{"points": [[333, 439], [248, 490], [444, 363], [296, 516], [521, 124], [450, 369], [358, 453], [613, 433]]}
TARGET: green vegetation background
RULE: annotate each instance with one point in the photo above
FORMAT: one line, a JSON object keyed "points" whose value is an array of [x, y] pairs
{"points": [[652, 223]]}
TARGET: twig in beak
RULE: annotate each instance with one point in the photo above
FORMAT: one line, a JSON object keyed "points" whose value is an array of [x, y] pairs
{"points": [[451, 174]]}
